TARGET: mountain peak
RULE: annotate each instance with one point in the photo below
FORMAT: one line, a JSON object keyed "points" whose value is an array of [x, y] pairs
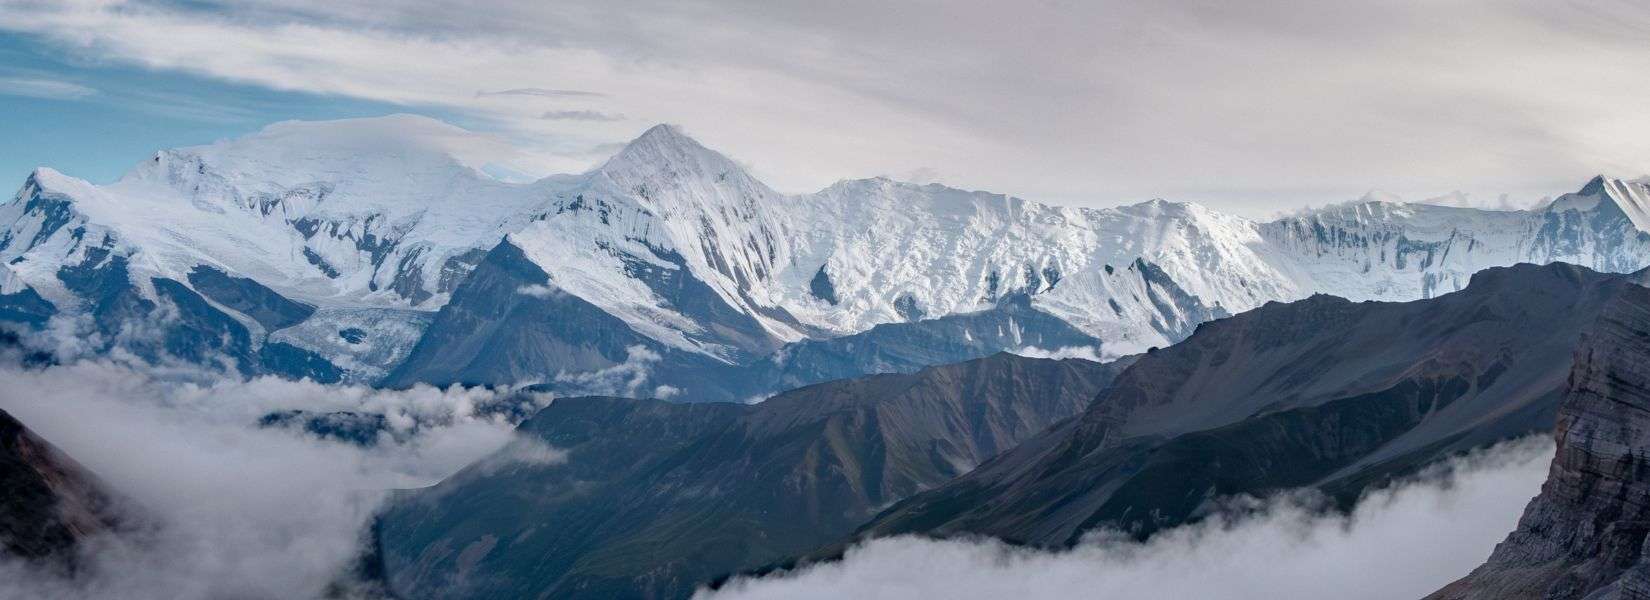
{"points": [[666, 133], [51, 180], [1595, 186], [1158, 207], [1631, 197], [663, 154], [663, 144]]}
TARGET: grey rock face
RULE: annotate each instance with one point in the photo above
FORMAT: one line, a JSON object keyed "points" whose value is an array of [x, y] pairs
{"points": [[270, 309], [1320, 393], [821, 286], [1584, 536], [26, 307], [509, 324], [1178, 312], [653, 498]]}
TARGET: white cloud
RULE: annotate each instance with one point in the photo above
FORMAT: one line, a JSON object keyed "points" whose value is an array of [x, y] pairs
{"points": [[242, 512], [1402, 543], [542, 93], [1268, 107], [522, 450], [580, 115], [1460, 199], [1083, 352], [625, 379], [539, 291], [50, 89]]}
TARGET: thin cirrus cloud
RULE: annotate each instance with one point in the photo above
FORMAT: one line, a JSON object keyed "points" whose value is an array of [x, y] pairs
{"points": [[580, 115], [542, 93], [1266, 107], [49, 89]]}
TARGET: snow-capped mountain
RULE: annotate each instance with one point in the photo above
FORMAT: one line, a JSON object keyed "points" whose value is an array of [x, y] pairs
{"points": [[1398, 251], [361, 245], [372, 212], [351, 217]]}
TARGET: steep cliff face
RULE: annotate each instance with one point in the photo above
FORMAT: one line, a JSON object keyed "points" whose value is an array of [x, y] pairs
{"points": [[1585, 535], [48, 502]]}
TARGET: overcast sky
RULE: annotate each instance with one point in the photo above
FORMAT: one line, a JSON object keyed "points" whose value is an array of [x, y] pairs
{"points": [[1250, 107]]}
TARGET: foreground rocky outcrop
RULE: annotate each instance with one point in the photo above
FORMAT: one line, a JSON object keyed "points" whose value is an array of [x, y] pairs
{"points": [[1585, 535], [49, 504]]}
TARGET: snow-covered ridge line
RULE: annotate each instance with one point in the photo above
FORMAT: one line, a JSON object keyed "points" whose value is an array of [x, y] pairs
{"points": [[376, 216]]}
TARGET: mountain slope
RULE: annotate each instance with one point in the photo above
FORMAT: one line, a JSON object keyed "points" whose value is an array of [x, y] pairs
{"points": [[647, 498], [1584, 536], [1321, 393], [51, 504]]}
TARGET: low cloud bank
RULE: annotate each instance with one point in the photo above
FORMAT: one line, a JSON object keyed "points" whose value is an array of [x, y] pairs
{"points": [[628, 379], [236, 511], [1403, 542], [1083, 352]]}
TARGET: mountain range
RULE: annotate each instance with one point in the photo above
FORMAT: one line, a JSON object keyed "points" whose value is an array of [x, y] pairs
{"points": [[369, 250], [748, 380], [608, 497]]}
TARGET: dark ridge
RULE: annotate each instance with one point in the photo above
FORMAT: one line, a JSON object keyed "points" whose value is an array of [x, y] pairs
{"points": [[1321, 393], [655, 497]]}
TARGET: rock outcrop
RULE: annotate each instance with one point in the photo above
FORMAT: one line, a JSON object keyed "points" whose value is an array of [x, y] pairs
{"points": [[1585, 535]]}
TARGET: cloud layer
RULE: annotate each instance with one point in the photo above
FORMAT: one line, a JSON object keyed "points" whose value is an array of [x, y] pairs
{"points": [[1400, 543], [238, 511], [1253, 108]]}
